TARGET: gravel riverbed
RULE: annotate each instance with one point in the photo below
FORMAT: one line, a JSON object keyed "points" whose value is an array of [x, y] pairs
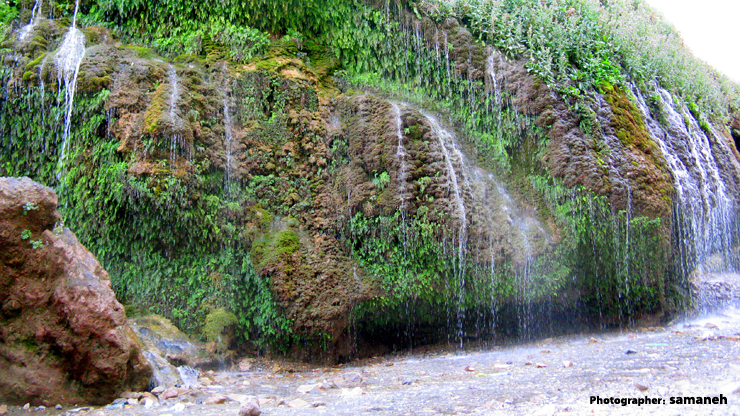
{"points": [[686, 359]]}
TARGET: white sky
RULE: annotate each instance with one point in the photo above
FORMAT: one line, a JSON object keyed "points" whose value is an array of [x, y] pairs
{"points": [[709, 28]]}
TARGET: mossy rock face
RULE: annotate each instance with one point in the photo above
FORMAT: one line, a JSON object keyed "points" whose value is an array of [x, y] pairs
{"points": [[217, 324]]}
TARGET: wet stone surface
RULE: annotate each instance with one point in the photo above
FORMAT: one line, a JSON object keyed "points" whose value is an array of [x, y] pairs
{"points": [[700, 357]]}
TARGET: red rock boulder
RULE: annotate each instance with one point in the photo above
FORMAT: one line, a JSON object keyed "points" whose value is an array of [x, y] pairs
{"points": [[63, 336]]}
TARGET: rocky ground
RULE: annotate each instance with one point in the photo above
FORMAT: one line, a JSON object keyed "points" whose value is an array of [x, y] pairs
{"points": [[689, 358]]}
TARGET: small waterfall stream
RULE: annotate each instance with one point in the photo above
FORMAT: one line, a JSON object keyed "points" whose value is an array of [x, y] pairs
{"points": [[706, 210], [403, 169], [35, 15], [229, 137], [175, 120], [68, 60]]}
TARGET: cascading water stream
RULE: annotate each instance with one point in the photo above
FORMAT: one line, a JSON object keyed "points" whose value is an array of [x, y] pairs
{"points": [[68, 60], [173, 113], [229, 136], [705, 208], [35, 15], [403, 170], [448, 148]]}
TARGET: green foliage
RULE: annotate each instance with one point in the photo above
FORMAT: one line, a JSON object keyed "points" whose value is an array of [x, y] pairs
{"points": [[215, 323], [26, 234], [152, 233], [29, 206]]}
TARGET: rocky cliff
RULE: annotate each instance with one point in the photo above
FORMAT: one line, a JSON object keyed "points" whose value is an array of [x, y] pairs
{"points": [[64, 338]]}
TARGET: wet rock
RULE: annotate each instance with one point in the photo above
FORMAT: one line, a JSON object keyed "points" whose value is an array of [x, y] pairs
{"points": [[188, 375], [308, 388], [84, 351], [347, 380], [216, 399], [250, 409], [164, 374], [117, 404], [631, 352], [245, 365], [163, 339], [171, 393], [298, 403], [149, 400]]}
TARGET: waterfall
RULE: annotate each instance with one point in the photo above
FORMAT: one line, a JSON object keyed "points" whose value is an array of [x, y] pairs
{"points": [[68, 60], [229, 136], [27, 29], [175, 120], [401, 157], [446, 144], [705, 213]]}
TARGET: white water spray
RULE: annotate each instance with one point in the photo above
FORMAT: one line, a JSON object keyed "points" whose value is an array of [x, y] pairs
{"points": [[68, 60], [35, 15], [403, 170]]}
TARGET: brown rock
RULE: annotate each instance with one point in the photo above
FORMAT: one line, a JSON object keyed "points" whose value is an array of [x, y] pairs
{"points": [[245, 365], [347, 381], [250, 409], [57, 296], [171, 392], [216, 399], [641, 387], [298, 403]]}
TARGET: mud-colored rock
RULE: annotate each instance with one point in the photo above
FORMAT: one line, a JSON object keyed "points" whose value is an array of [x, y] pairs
{"points": [[216, 399], [348, 380], [250, 409], [63, 335]]}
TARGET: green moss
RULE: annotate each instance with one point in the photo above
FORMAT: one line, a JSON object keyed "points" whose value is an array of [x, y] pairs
{"points": [[215, 324], [36, 62], [286, 242], [155, 110], [143, 52]]}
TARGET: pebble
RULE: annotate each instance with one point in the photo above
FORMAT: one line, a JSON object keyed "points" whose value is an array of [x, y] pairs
{"points": [[641, 387], [469, 368], [540, 365], [567, 364], [58, 407], [348, 380], [298, 403], [408, 381], [250, 409], [27, 406], [178, 407], [216, 399]]}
